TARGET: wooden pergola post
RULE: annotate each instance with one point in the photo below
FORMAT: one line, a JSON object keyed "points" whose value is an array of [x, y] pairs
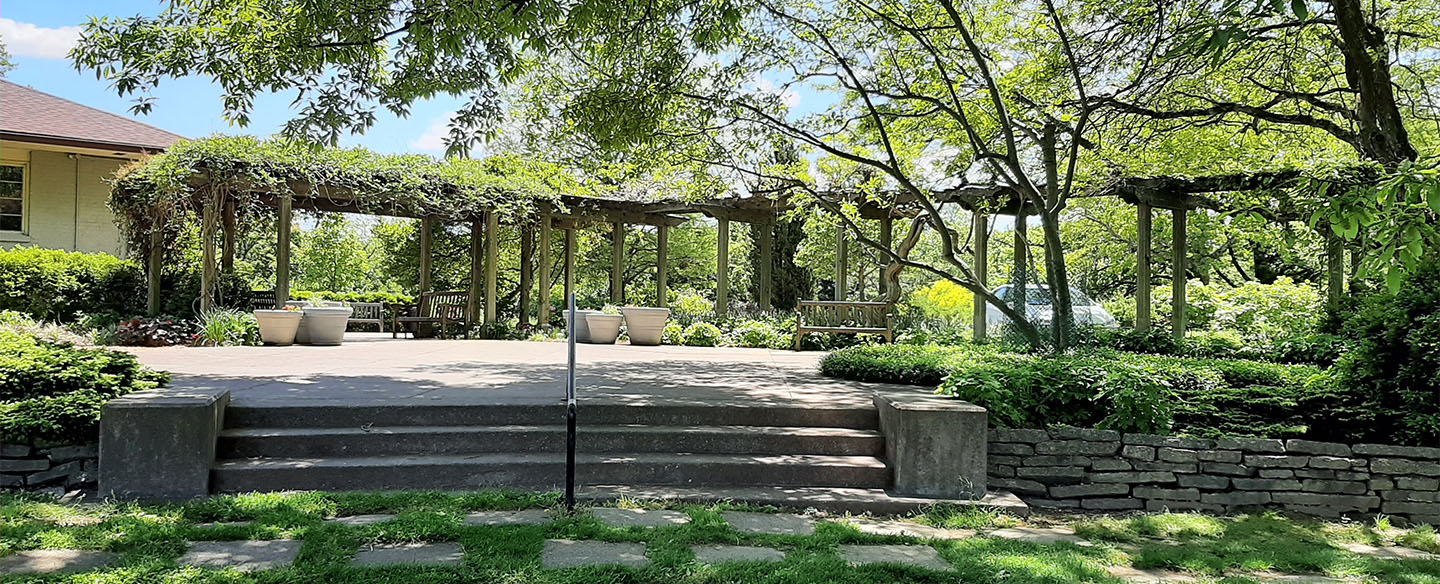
{"points": [[227, 226], [527, 279], [617, 263], [766, 242], [981, 244], [841, 263], [543, 314], [1177, 286], [662, 247], [1334, 270], [153, 263], [427, 228], [569, 265], [477, 273], [1142, 266], [492, 263], [282, 250], [209, 223], [1020, 286], [887, 228], [722, 269]]}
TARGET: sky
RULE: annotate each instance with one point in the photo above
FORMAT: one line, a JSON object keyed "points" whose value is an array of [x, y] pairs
{"points": [[38, 33]]}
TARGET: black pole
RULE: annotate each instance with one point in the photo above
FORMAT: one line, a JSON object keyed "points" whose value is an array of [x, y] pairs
{"points": [[570, 412]]}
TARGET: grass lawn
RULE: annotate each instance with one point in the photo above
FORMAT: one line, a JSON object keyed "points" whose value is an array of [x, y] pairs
{"points": [[149, 538]]}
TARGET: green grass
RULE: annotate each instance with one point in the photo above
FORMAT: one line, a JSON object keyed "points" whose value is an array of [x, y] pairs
{"points": [[149, 538]]}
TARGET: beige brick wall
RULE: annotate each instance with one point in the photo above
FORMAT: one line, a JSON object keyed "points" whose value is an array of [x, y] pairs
{"points": [[65, 206]]}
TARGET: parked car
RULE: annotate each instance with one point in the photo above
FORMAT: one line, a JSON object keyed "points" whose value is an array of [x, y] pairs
{"points": [[1087, 311]]}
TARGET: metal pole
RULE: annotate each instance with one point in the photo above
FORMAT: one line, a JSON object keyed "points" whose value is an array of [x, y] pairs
{"points": [[570, 410]]}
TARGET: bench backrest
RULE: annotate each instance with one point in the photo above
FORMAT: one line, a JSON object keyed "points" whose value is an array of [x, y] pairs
{"points": [[366, 310], [450, 305], [838, 314]]}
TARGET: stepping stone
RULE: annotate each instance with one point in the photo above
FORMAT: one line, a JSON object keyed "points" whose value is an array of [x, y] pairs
{"points": [[909, 529], [1277, 578], [411, 554], [564, 553], [1039, 535], [1138, 576], [720, 554], [920, 556], [769, 523], [524, 517], [1388, 552], [638, 517], [54, 561], [218, 524], [246, 556], [360, 520]]}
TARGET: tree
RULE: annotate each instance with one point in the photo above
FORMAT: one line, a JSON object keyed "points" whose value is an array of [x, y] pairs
{"points": [[6, 63]]}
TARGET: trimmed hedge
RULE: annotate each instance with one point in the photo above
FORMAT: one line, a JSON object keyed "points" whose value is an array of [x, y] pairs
{"points": [[52, 392], [58, 286]]}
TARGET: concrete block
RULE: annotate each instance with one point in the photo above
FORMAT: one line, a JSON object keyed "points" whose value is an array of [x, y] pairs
{"points": [[920, 556], [720, 554], [410, 554], [936, 447], [1312, 447], [160, 444], [564, 553]]}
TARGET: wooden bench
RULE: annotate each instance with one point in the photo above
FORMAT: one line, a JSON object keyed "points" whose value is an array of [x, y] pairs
{"points": [[368, 313], [437, 308], [842, 317]]}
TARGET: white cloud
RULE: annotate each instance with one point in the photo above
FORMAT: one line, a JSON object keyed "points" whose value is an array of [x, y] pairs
{"points": [[788, 97], [27, 40], [433, 140]]}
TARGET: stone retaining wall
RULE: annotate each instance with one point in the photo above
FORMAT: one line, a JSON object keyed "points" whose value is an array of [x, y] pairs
{"points": [[1101, 470], [28, 468]]}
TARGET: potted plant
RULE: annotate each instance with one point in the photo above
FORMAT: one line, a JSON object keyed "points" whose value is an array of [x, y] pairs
{"points": [[278, 327], [645, 325], [604, 328], [325, 325], [582, 328]]}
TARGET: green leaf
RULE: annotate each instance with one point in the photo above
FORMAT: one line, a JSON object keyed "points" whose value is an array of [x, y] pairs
{"points": [[1300, 9], [1394, 278], [1432, 196]]}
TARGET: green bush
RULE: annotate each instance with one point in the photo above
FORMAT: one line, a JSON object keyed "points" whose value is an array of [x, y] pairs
{"points": [[906, 364], [1253, 310], [56, 285], [674, 334], [53, 392], [1313, 349], [227, 327], [702, 334], [757, 333], [385, 297]]}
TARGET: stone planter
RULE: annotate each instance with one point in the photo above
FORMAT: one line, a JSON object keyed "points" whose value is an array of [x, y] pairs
{"points": [[278, 327], [604, 328], [645, 325], [582, 327], [325, 325]]}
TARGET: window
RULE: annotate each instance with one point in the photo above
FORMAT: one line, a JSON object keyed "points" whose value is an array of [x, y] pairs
{"points": [[12, 197]]}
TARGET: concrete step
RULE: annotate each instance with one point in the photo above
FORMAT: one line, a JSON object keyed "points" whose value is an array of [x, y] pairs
{"points": [[833, 499], [674, 413], [467, 472], [401, 440]]}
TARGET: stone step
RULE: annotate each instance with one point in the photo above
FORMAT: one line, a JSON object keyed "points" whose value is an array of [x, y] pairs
{"points": [[466, 472], [400, 440], [663, 413]]}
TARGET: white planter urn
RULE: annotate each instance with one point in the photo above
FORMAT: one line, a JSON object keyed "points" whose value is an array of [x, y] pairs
{"points": [[604, 328], [645, 325], [582, 327], [325, 325], [278, 327]]}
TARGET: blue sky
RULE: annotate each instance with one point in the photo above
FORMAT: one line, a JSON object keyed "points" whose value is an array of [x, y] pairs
{"points": [[38, 32]]}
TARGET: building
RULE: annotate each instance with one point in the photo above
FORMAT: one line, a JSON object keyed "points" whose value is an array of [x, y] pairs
{"points": [[55, 155]]}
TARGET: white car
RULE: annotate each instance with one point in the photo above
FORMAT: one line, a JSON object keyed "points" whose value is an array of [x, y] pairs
{"points": [[1087, 311]]}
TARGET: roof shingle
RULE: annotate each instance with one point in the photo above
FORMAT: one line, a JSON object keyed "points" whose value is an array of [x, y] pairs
{"points": [[25, 112]]}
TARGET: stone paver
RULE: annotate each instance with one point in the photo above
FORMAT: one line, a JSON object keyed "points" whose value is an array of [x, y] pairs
{"points": [[246, 556], [564, 553], [639, 517], [217, 524], [908, 529], [719, 554], [905, 555], [54, 561], [1138, 576], [360, 520], [414, 554], [1039, 535], [1277, 578], [1388, 552], [523, 517], [769, 523]]}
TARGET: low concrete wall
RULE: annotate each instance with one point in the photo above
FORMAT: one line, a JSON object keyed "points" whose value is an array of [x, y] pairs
{"points": [[935, 446], [160, 444], [1073, 468], [57, 468]]}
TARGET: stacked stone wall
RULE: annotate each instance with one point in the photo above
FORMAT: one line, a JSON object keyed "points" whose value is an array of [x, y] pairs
{"points": [[54, 468], [1100, 470]]}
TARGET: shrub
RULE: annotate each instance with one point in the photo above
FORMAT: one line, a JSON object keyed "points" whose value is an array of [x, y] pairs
{"points": [[227, 327], [1155, 340], [151, 332], [702, 334], [1314, 349], [674, 334], [757, 333], [53, 393], [906, 364], [58, 285], [945, 300], [1255, 311]]}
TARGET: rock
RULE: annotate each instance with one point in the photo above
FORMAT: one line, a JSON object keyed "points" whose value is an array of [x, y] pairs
{"points": [[1411, 507], [1169, 494], [1023, 435], [1406, 495], [1331, 462], [721, 554], [1335, 487], [1089, 490], [1314, 473], [1277, 473], [1400, 466], [1312, 447], [1010, 449], [1132, 477], [1417, 484], [1021, 486], [1421, 452], [14, 450], [1231, 456], [22, 465], [1111, 504], [1168, 454], [1079, 447], [1090, 434], [1268, 461], [1146, 453], [55, 473], [1110, 464], [1190, 467], [1226, 468], [564, 553], [1266, 484], [1204, 482], [1236, 498], [1358, 503], [1259, 445], [1057, 460], [1050, 473], [69, 453]]}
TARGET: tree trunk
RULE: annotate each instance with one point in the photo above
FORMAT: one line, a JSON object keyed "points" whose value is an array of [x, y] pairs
{"points": [[1380, 130], [1062, 308]]}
